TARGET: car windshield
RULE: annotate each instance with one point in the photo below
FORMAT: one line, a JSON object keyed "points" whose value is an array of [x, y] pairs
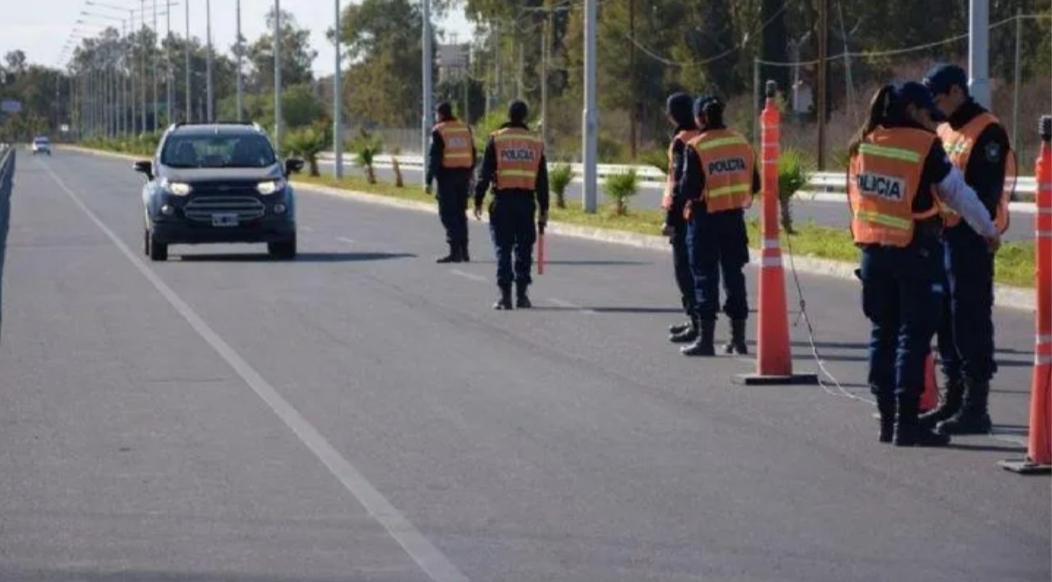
{"points": [[40, 141], [217, 151]]}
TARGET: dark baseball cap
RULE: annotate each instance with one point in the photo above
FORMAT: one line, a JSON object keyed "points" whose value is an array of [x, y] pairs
{"points": [[940, 78], [919, 96], [701, 102]]}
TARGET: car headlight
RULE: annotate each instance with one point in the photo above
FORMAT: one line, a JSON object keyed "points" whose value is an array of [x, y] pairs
{"points": [[177, 188], [270, 186]]}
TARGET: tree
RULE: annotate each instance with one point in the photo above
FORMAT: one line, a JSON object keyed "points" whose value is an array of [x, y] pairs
{"points": [[297, 56]]}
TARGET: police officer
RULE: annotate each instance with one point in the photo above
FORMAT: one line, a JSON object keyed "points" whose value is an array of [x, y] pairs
{"points": [[716, 185], [451, 161], [895, 161], [978, 146], [514, 163], [679, 113]]}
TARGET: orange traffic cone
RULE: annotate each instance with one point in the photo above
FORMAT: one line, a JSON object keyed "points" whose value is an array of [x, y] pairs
{"points": [[774, 360], [1039, 442], [930, 397]]}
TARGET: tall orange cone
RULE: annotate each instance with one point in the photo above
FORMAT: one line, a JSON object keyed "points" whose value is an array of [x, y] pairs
{"points": [[930, 397], [774, 360], [1039, 443]]}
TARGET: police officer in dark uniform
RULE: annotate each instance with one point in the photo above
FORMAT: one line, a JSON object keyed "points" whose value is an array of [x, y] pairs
{"points": [[514, 163], [451, 161], [679, 112], [978, 146], [716, 184]]}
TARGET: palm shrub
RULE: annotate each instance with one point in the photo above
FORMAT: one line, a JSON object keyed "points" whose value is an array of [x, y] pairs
{"points": [[559, 178], [794, 172], [621, 187]]}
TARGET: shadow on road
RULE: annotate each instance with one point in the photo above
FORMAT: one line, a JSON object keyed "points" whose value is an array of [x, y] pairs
{"points": [[300, 258], [81, 575], [7, 174]]}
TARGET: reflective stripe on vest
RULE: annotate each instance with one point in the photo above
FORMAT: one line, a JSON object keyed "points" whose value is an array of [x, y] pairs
{"points": [[457, 144], [883, 181], [518, 158], [684, 136], [959, 146], [727, 162]]}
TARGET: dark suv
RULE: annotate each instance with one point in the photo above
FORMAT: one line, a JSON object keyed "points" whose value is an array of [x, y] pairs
{"points": [[218, 183]]}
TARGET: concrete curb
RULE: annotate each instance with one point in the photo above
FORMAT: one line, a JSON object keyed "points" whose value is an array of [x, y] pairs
{"points": [[1004, 296]]}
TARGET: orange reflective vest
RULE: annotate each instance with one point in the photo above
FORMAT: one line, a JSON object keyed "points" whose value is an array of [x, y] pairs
{"points": [[958, 145], [518, 158], [456, 142], [684, 136], [728, 163], [884, 178]]}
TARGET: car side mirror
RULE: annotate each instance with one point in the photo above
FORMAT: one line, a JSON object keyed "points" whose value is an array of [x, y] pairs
{"points": [[293, 165], [144, 167]]}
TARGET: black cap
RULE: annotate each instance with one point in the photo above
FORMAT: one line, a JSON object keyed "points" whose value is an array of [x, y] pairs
{"points": [[942, 77], [702, 101], [518, 111], [1046, 128], [919, 96], [445, 109]]}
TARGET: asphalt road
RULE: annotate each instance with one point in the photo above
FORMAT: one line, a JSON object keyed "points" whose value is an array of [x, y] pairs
{"points": [[804, 211], [362, 414]]}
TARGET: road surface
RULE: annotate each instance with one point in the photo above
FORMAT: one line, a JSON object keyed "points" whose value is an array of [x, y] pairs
{"points": [[804, 211], [361, 414]]}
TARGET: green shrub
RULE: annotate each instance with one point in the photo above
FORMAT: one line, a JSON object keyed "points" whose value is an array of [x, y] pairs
{"points": [[621, 187], [559, 178]]}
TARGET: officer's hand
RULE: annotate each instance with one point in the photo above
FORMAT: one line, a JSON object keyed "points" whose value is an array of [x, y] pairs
{"points": [[993, 243], [542, 220], [478, 212], [668, 230], [427, 189]]}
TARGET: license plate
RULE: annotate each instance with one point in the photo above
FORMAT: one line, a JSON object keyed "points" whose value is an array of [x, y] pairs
{"points": [[224, 220]]}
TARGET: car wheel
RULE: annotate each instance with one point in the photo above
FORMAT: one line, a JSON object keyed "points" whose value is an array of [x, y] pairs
{"points": [[158, 251], [283, 250]]}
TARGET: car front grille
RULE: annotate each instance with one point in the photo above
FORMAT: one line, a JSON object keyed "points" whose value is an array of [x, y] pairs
{"points": [[201, 208]]}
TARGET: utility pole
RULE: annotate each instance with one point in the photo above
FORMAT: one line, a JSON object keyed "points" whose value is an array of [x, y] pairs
{"points": [[142, 60], [590, 144], [823, 47], [153, 62], [544, 77], [169, 94], [337, 102]]}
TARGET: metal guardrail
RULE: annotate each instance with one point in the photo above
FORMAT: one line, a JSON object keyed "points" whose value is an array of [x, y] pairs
{"points": [[7, 175], [828, 182]]}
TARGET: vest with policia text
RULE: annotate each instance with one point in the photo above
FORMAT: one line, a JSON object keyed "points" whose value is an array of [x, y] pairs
{"points": [[727, 162], [684, 136], [518, 158], [958, 146], [884, 178], [457, 144]]}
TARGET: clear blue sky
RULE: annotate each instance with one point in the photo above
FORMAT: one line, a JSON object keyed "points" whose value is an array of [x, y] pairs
{"points": [[41, 27]]}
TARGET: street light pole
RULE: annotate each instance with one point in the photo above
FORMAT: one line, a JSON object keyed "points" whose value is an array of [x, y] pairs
{"points": [[428, 61], [337, 103], [240, 88], [186, 54], [590, 146], [142, 60], [153, 63], [978, 51], [209, 91], [168, 93], [277, 76]]}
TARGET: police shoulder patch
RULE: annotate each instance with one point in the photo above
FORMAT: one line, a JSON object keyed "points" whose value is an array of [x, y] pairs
{"points": [[993, 152]]}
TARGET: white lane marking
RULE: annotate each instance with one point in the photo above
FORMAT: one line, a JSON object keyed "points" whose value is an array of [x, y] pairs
{"points": [[569, 305], [467, 275], [426, 555], [305, 228], [345, 239]]}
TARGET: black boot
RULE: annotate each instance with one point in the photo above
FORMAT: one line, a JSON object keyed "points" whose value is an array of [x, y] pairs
{"points": [[688, 334], [678, 328], [737, 343], [702, 346], [504, 303], [452, 257], [464, 256], [886, 407], [973, 417], [908, 433], [522, 300], [948, 406]]}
